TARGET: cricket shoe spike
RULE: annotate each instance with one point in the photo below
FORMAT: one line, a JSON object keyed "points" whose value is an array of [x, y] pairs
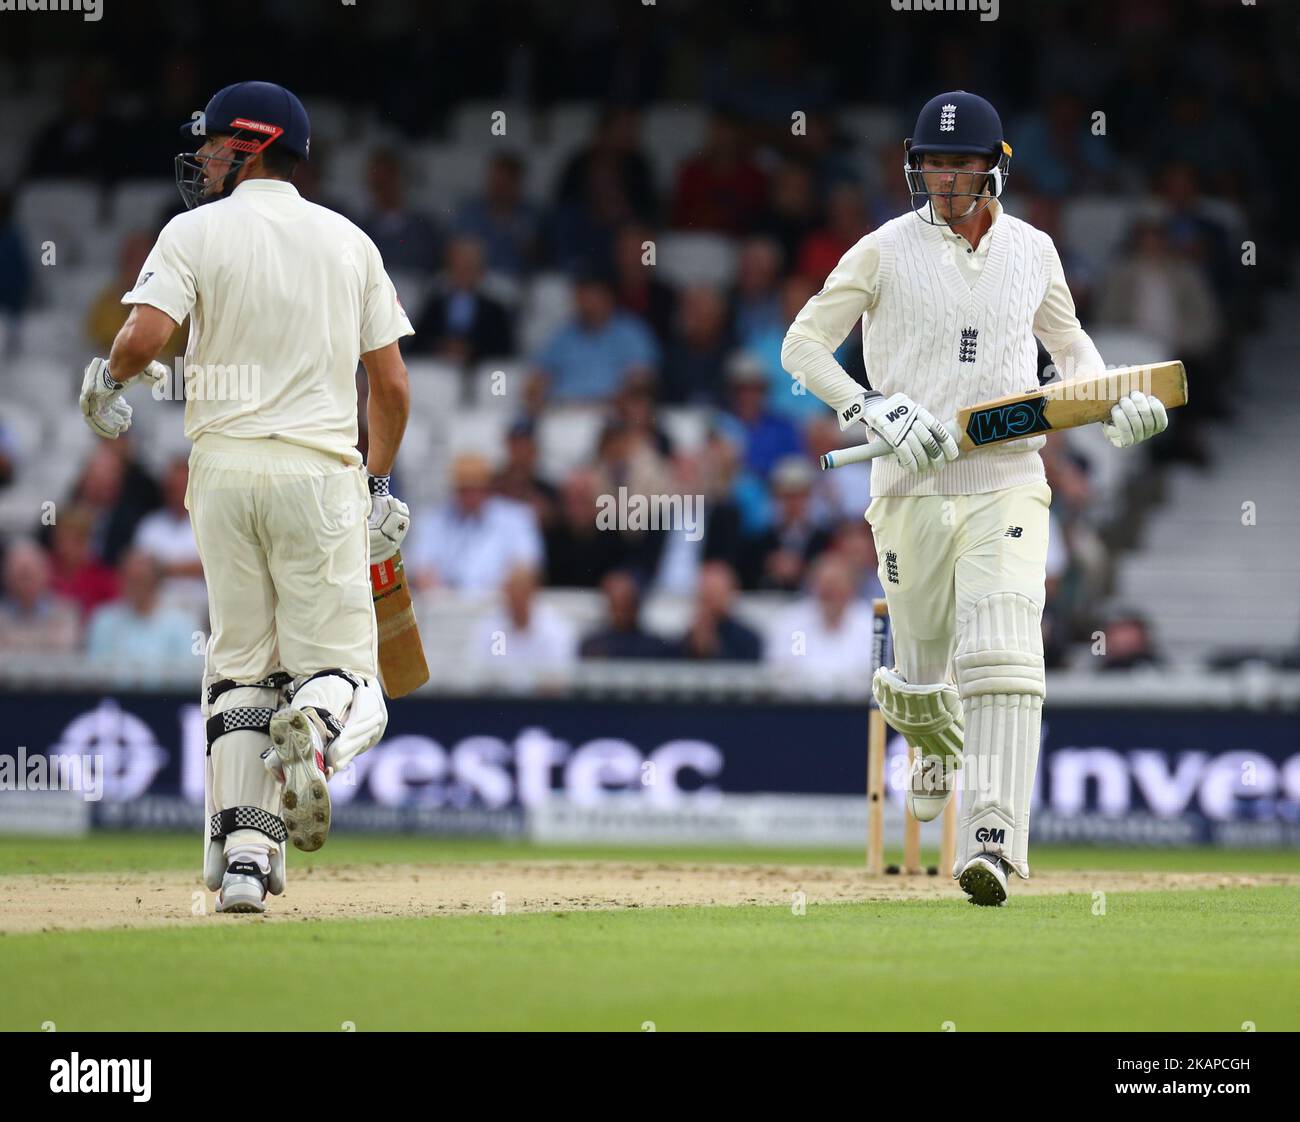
{"points": [[243, 888], [305, 798], [984, 880]]}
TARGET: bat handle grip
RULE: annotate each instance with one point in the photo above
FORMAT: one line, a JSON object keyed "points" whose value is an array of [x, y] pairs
{"points": [[842, 457]]}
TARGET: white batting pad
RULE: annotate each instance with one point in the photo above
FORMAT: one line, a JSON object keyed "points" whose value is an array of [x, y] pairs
{"points": [[1000, 676], [235, 776]]}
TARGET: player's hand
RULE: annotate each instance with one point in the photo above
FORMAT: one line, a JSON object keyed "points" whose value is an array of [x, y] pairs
{"points": [[390, 519], [101, 401], [920, 442], [1135, 417], [102, 404]]}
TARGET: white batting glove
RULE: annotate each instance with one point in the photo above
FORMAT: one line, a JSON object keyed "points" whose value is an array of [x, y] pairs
{"points": [[364, 728], [1135, 417], [390, 519], [102, 404], [920, 442]]}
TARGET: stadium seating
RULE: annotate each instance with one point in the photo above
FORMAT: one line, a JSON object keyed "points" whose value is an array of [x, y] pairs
{"points": [[63, 212], [547, 305], [472, 124], [689, 259], [139, 204], [1095, 226]]}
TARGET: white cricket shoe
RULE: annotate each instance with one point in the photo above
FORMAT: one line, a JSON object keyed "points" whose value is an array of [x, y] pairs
{"points": [[984, 880], [305, 799], [243, 888], [930, 785]]}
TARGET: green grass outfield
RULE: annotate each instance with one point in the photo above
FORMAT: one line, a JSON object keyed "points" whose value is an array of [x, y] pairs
{"points": [[109, 852], [1156, 960]]}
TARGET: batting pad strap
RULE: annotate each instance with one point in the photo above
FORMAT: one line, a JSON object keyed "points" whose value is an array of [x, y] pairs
{"points": [[346, 675], [1000, 650], [1004, 672], [332, 724], [276, 681], [245, 718], [226, 822]]}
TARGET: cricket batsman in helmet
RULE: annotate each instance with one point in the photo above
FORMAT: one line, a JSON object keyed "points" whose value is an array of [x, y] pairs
{"points": [[951, 296], [286, 518]]}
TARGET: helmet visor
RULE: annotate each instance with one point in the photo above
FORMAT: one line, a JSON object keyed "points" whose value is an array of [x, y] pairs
{"points": [[979, 188]]}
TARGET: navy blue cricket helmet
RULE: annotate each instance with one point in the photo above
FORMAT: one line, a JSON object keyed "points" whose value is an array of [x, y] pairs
{"points": [[953, 123], [253, 115]]}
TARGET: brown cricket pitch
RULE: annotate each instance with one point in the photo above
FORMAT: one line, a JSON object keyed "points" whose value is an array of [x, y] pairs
{"points": [[62, 902]]}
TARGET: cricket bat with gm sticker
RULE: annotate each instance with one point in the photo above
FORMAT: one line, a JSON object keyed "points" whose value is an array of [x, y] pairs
{"points": [[1057, 405]]}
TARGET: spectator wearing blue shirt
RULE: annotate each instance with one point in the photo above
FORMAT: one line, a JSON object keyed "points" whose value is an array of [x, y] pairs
{"points": [[135, 630], [508, 225], [591, 357], [756, 300], [694, 360], [766, 437], [1057, 152], [790, 398], [406, 238]]}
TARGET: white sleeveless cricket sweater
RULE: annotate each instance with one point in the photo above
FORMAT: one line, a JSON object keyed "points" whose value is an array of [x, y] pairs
{"points": [[948, 344]]}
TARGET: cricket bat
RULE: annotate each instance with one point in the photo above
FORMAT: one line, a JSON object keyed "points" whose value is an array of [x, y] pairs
{"points": [[1058, 405], [401, 653]]}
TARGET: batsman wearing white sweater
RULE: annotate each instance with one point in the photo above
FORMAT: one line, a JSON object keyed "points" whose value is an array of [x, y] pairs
{"points": [[951, 296]]}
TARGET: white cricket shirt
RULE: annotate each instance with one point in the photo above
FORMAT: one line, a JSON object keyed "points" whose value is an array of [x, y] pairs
{"points": [[939, 328], [284, 297]]}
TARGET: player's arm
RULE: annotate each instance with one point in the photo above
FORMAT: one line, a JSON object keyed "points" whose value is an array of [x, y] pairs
{"points": [[1058, 328], [141, 338], [388, 407], [1136, 416], [163, 296], [383, 323], [144, 334], [808, 351], [919, 441]]}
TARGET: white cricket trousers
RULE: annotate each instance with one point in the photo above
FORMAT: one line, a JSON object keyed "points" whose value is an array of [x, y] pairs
{"points": [[939, 555], [282, 533]]}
